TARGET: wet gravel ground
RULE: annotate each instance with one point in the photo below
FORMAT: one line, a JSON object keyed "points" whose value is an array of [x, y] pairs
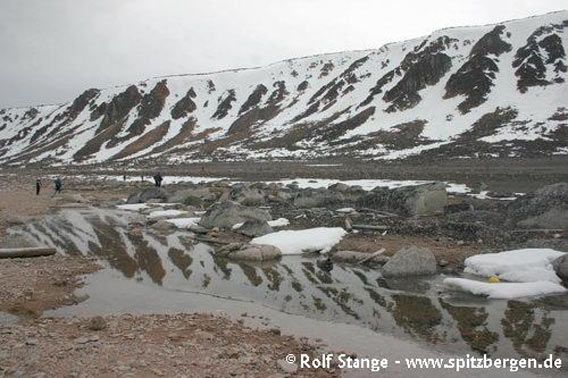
{"points": [[179, 345]]}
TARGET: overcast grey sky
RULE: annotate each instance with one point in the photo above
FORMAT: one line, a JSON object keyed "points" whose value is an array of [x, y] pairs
{"points": [[51, 50]]}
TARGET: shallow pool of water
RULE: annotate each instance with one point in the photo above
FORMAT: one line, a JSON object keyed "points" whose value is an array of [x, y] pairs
{"points": [[152, 272]]}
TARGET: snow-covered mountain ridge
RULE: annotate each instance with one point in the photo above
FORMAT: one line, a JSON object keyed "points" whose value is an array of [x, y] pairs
{"points": [[460, 92]]}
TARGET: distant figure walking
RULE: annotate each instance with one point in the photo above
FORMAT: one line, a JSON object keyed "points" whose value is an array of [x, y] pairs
{"points": [[124, 177], [158, 179], [38, 186], [58, 185]]}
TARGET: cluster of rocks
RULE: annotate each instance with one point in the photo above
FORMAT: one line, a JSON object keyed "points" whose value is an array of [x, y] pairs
{"points": [[419, 200], [424, 210]]}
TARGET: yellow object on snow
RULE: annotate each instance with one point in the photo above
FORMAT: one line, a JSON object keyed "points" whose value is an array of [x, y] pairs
{"points": [[494, 279]]}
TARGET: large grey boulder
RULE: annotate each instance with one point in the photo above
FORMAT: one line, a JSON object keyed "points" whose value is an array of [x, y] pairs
{"points": [[561, 267], [196, 194], [279, 194], [227, 214], [545, 208], [163, 226], [309, 198], [249, 252], [148, 194], [354, 257], [254, 228], [419, 200], [247, 195], [410, 261]]}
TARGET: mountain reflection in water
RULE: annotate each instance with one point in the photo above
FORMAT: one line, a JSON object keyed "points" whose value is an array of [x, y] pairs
{"points": [[414, 308]]}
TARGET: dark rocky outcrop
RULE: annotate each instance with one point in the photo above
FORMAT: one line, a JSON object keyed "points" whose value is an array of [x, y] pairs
{"points": [[423, 67], [474, 78], [254, 98], [119, 107], [539, 56], [185, 105], [491, 43], [114, 117], [428, 70], [489, 123], [225, 104], [258, 114]]}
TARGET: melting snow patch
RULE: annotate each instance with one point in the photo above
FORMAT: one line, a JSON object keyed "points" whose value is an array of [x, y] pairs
{"points": [[522, 265], [293, 242], [183, 222], [506, 290], [530, 271], [280, 222], [345, 210], [166, 213], [132, 206]]}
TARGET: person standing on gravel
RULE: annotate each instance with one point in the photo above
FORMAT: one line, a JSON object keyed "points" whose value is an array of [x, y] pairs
{"points": [[158, 179], [58, 185], [38, 186]]}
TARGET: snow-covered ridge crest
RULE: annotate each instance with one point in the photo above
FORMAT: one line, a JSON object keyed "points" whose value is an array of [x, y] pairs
{"points": [[491, 90]]}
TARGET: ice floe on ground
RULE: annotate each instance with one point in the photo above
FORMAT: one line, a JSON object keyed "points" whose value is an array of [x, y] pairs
{"points": [[504, 290], [293, 242], [529, 272]]}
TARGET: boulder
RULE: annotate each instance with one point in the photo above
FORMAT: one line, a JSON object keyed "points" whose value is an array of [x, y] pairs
{"points": [[309, 198], [194, 196], [410, 261], [561, 267], [247, 195], [148, 194], [254, 228], [353, 257], [197, 229], [163, 226], [280, 194], [339, 187], [249, 252], [545, 208], [419, 200], [228, 213]]}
